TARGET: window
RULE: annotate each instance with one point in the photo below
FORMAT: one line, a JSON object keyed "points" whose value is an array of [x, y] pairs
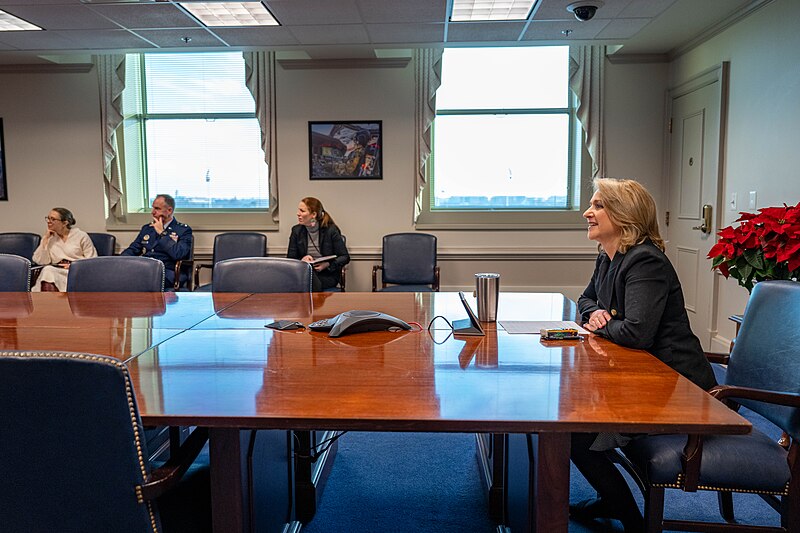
{"points": [[190, 130], [504, 139]]}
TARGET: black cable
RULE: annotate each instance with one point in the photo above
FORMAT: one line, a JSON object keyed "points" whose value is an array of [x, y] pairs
{"points": [[320, 449]]}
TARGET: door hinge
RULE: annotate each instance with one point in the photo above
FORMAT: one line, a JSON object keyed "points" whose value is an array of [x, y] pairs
{"points": [[670, 125], [666, 216]]}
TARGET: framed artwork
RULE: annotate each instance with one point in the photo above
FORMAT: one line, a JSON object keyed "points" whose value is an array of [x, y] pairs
{"points": [[346, 150], [3, 187]]}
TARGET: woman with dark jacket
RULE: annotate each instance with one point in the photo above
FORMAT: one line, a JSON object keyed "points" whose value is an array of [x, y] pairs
{"points": [[633, 299], [317, 236]]}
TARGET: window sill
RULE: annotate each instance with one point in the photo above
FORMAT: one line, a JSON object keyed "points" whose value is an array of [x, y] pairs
{"points": [[261, 221]]}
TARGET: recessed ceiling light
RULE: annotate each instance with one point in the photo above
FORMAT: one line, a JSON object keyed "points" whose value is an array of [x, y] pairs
{"points": [[9, 22], [475, 10], [231, 13]]}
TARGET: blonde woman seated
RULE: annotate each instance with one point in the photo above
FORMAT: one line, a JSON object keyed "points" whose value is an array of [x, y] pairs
{"points": [[61, 245]]}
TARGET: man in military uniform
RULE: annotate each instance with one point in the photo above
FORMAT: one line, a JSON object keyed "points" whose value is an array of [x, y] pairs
{"points": [[164, 239]]}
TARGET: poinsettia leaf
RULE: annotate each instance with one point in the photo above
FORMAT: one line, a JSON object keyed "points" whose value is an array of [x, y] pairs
{"points": [[746, 271], [755, 258]]}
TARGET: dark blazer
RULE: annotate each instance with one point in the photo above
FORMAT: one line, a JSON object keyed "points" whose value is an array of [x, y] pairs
{"points": [[641, 291], [330, 243]]}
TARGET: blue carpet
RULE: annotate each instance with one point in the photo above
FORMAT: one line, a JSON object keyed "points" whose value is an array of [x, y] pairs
{"points": [[423, 482]]}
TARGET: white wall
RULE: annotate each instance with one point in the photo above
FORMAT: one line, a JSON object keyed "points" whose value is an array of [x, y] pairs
{"points": [[53, 151], [763, 117]]}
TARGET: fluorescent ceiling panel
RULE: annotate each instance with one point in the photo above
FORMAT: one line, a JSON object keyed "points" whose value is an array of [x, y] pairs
{"points": [[9, 22], [482, 10], [229, 14]]}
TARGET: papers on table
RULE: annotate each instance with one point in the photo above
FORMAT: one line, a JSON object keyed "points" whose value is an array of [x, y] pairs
{"points": [[535, 326]]}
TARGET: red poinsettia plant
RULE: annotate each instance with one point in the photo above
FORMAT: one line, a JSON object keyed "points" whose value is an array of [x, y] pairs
{"points": [[765, 245]]}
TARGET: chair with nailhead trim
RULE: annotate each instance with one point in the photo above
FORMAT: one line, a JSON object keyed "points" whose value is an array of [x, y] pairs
{"points": [[764, 376], [73, 457]]}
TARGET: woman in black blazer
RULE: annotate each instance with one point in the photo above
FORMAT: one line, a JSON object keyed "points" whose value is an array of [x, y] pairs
{"points": [[317, 236], [634, 299]]}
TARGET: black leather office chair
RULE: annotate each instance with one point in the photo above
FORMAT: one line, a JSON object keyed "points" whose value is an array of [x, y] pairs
{"points": [[116, 274], [183, 272], [342, 286], [16, 273], [408, 263], [230, 246], [764, 376], [72, 455], [262, 274], [22, 244], [104, 243]]}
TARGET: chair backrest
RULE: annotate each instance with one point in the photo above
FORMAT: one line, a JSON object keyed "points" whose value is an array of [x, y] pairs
{"points": [[117, 273], [104, 243], [71, 450], [409, 258], [22, 244], [239, 244], [16, 273], [766, 354], [262, 274]]}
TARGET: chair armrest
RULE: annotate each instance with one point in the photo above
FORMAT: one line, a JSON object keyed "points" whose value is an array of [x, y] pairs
{"points": [[343, 278], [727, 392], [35, 271], [167, 476], [719, 358], [436, 278], [197, 269], [178, 265], [375, 269]]}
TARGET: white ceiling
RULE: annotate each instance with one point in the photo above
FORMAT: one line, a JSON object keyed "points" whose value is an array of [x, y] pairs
{"points": [[353, 28]]}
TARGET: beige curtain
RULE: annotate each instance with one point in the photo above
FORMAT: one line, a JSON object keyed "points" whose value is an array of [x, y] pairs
{"points": [[427, 78], [260, 79], [586, 79], [111, 79]]}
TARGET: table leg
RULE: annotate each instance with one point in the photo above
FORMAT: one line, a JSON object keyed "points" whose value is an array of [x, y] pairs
{"points": [[548, 509], [227, 498]]}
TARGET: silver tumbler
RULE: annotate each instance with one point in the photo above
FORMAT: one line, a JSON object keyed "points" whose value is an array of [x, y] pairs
{"points": [[487, 291]]}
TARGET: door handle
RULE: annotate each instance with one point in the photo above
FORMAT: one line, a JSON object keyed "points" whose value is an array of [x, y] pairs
{"points": [[705, 227]]}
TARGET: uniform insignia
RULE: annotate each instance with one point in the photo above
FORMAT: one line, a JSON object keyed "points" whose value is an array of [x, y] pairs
{"points": [[613, 312], [146, 237]]}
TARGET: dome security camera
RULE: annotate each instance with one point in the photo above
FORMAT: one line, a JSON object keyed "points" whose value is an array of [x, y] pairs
{"points": [[584, 11]]}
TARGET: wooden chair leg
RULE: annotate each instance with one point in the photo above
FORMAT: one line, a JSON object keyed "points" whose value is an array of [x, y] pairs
{"points": [[654, 510], [725, 500]]}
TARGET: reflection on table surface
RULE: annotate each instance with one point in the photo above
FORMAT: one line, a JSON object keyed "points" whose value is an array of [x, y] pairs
{"points": [[251, 376], [145, 310]]}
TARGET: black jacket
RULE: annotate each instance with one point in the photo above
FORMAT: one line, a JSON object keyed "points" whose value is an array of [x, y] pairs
{"points": [[641, 291], [331, 242]]}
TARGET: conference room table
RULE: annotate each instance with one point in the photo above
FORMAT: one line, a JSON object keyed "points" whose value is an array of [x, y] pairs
{"points": [[202, 359]]}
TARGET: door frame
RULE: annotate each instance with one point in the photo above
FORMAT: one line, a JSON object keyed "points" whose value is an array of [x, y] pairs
{"points": [[717, 73]]}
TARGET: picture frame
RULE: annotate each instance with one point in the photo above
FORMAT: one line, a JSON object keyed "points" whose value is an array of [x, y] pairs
{"points": [[3, 184], [345, 150]]}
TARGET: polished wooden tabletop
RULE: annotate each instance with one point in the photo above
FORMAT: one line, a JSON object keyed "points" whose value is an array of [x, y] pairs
{"points": [[231, 371]]}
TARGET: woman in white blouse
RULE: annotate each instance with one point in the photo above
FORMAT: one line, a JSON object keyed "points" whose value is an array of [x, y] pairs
{"points": [[61, 245]]}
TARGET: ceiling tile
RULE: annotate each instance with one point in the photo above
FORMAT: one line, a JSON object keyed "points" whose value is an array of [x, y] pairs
{"points": [[147, 16], [261, 36], [385, 11], [623, 28], [173, 38], [552, 30], [36, 40], [342, 34], [105, 39], [305, 12], [484, 31], [61, 17], [405, 33], [646, 8]]}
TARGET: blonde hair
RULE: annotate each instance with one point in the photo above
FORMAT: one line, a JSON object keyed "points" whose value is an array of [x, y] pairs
{"points": [[632, 209]]}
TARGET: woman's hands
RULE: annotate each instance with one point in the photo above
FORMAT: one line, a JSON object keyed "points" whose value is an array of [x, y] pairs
{"points": [[598, 319], [319, 267]]}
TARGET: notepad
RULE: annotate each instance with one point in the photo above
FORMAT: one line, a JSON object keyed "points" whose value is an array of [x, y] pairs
{"points": [[323, 259], [536, 326]]}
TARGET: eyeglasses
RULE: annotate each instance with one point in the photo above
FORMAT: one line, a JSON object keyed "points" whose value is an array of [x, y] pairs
{"points": [[51, 219]]}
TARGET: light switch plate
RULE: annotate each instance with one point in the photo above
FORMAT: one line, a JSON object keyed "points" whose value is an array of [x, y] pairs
{"points": [[733, 203], [751, 203]]}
